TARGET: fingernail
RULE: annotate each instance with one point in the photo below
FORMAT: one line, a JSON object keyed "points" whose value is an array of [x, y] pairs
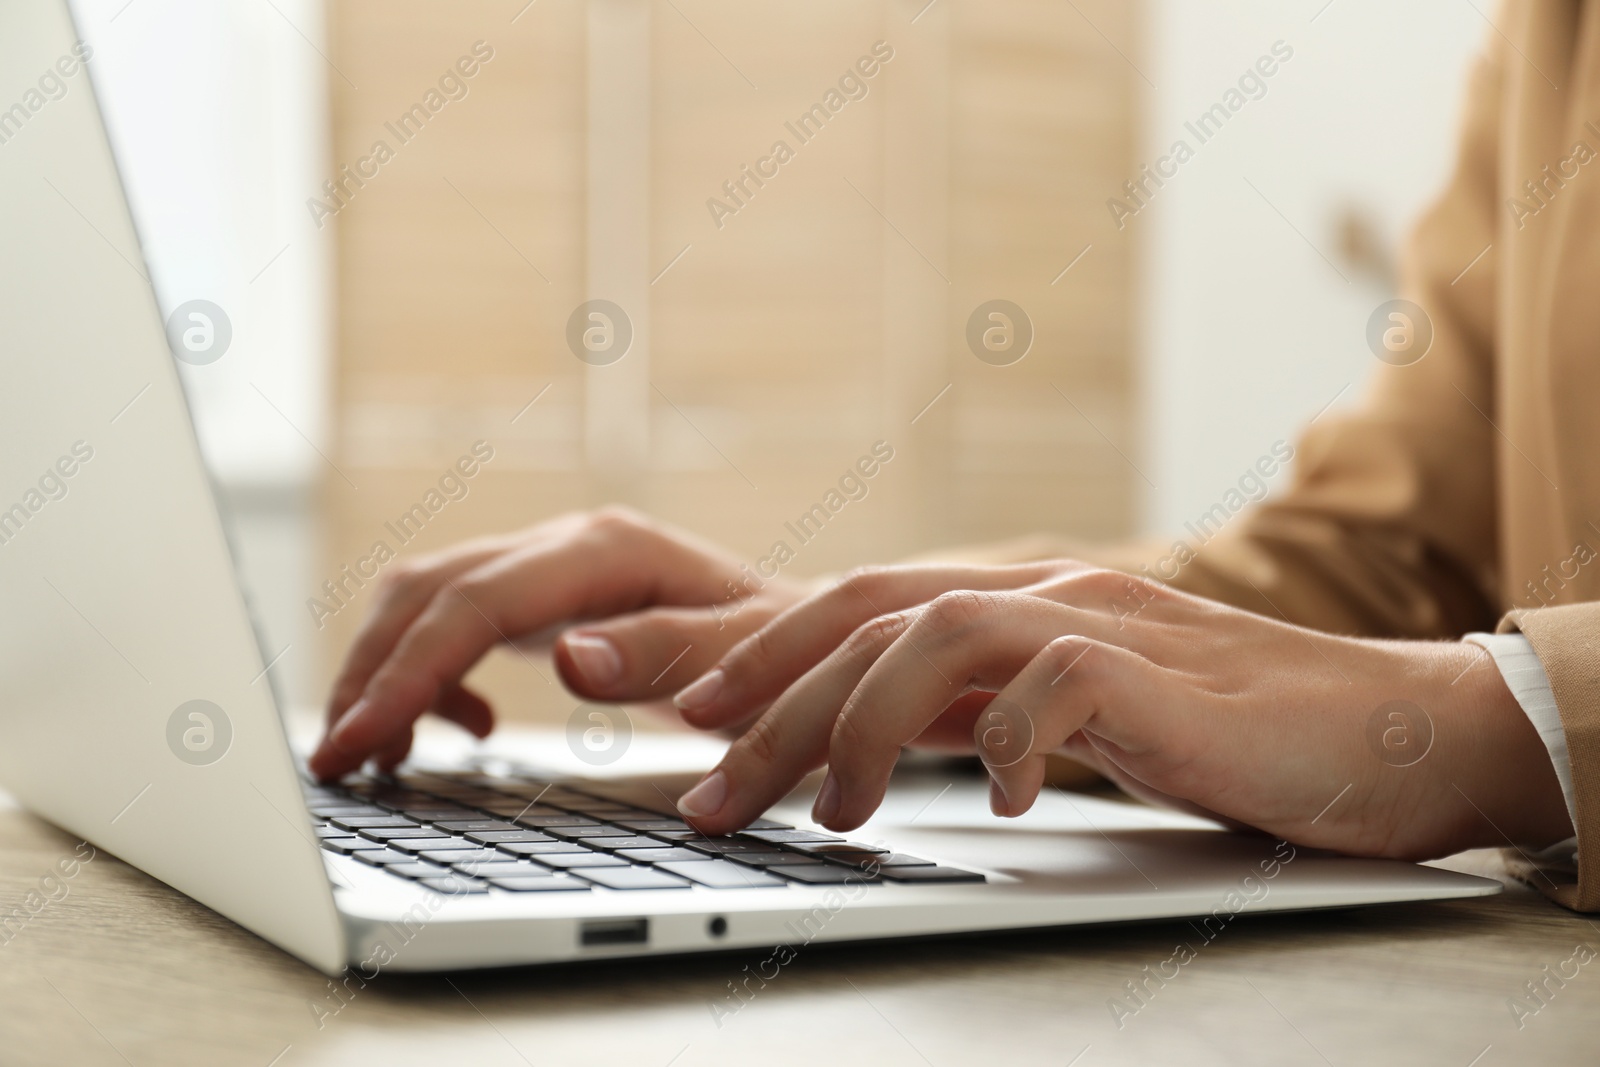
{"points": [[998, 804], [701, 692], [596, 658], [706, 798], [827, 805], [341, 728]]}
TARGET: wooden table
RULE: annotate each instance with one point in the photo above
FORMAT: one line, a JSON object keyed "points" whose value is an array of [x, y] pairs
{"points": [[123, 969]]}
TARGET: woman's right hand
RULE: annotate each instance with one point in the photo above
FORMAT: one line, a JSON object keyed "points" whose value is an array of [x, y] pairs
{"points": [[635, 608]]}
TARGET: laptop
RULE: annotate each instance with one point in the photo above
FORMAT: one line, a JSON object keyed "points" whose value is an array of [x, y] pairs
{"points": [[138, 712]]}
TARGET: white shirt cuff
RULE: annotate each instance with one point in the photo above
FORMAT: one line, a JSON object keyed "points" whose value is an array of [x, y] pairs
{"points": [[1526, 678]]}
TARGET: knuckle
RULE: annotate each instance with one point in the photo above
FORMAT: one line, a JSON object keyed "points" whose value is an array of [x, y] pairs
{"points": [[475, 587], [848, 736], [1069, 658], [752, 655], [1099, 583], [958, 610], [400, 580], [866, 581], [872, 637], [616, 520], [761, 741]]}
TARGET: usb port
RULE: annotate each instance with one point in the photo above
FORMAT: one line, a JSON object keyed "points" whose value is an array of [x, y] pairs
{"points": [[614, 932]]}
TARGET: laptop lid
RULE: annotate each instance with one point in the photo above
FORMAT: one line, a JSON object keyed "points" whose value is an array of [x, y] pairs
{"points": [[135, 711]]}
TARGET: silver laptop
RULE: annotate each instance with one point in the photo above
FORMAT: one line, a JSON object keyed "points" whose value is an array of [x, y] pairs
{"points": [[136, 712]]}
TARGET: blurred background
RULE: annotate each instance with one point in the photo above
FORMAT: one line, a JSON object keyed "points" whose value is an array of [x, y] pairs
{"points": [[403, 247]]}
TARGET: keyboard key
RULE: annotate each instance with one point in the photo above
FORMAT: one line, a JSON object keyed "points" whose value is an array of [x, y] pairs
{"points": [[330, 831], [823, 874], [768, 824], [787, 837], [440, 813], [526, 790], [533, 809], [613, 844], [652, 824], [346, 845], [773, 859], [717, 846], [429, 844], [468, 825], [931, 874], [633, 878], [572, 833], [603, 812], [663, 855], [539, 885], [867, 860], [540, 821], [386, 834], [415, 870], [452, 885], [824, 848], [383, 857], [333, 811], [720, 874], [506, 807], [497, 837], [505, 867], [539, 848], [370, 822], [579, 859], [462, 855]]}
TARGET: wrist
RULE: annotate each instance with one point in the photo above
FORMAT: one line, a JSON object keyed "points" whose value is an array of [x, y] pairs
{"points": [[1499, 767]]}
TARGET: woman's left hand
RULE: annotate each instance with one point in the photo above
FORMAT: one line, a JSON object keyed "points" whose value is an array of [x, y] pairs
{"points": [[1408, 749]]}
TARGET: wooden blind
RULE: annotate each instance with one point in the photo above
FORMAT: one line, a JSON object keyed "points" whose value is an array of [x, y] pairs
{"points": [[792, 308]]}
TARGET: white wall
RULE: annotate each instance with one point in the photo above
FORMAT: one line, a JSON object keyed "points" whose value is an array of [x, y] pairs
{"points": [[1247, 331]]}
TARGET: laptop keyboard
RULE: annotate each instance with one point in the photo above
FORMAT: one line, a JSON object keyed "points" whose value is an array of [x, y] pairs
{"points": [[475, 833]]}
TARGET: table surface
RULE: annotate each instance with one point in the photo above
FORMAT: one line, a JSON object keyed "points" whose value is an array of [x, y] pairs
{"points": [[124, 969]]}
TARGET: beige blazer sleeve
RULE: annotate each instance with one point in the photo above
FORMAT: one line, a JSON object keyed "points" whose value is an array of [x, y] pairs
{"points": [[1567, 640]]}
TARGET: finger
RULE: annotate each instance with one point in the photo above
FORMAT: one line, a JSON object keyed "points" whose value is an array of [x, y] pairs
{"points": [[952, 731], [394, 754], [767, 662], [612, 564], [1073, 688], [790, 740], [962, 640], [405, 592], [651, 653], [466, 709]]}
